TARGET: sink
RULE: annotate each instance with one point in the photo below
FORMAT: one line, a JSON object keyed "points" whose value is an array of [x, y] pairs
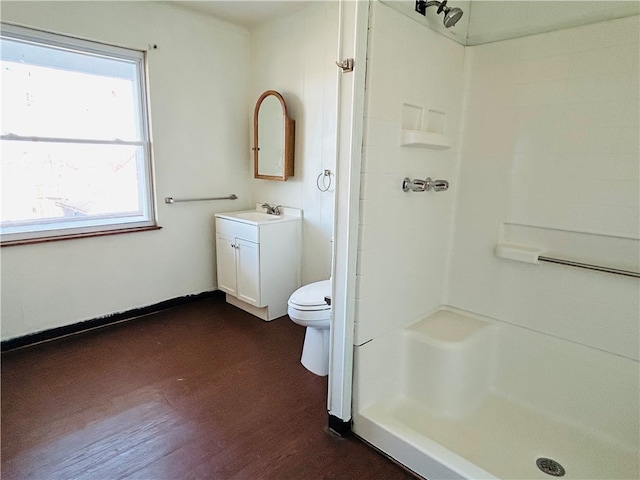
{"points": [[255, 217]]}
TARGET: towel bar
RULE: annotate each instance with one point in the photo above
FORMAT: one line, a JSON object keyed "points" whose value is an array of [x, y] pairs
{"points": [[171, 200]]}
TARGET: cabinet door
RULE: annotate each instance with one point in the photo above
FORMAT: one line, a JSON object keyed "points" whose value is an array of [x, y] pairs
{"points": [[248, 272], [226, 263]]}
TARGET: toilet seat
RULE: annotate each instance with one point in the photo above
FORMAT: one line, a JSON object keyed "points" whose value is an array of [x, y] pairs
{"points": [[306, 318], [311, 297]]}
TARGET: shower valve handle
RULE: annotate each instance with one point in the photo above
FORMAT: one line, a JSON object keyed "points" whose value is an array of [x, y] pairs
{"points": [[417, 185], [439, 185]]}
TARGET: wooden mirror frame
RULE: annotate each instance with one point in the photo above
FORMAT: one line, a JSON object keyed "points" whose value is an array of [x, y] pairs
{"points": [[288, 140]]}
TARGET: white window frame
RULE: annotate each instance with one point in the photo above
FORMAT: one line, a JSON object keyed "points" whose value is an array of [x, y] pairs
{"points": [[54, 229]]}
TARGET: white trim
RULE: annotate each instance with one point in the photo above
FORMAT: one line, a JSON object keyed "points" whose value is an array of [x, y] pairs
{"points": [[353, 43], [66, 42], [89, 141], [74, 232]]}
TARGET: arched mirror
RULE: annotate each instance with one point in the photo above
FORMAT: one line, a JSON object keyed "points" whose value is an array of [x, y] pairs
{"points": [[273, 138]]}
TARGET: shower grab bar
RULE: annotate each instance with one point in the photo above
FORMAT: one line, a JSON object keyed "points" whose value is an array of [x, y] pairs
{"points": [[588, 266], [171, 200], [521, 253]]}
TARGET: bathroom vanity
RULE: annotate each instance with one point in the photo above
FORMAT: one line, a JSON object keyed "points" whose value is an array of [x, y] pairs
{"points": [[258, 259]]}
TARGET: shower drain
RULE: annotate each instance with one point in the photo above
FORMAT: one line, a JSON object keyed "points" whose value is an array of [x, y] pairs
{"points": [[550, 467]]}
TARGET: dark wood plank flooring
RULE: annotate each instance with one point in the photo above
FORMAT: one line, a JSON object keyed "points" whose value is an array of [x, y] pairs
{"points": [[203, 390]]}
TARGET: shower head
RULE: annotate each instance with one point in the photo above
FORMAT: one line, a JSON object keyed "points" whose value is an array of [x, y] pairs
{"points": [[451, 15]]}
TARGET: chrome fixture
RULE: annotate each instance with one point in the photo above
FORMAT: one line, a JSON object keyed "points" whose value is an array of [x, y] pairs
{"points": [[417, 185], [326, 184], [346, 65], [272, 210], [171, 200], [589, 266], [550, 467], [451, 15]]}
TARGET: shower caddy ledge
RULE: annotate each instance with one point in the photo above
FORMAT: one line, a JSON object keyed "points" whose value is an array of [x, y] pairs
{"points": [[422, 139]]}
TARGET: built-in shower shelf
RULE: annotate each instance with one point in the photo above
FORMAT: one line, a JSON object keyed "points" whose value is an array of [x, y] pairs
{"points": [[421, 139], [519, 253], [600, 252]]}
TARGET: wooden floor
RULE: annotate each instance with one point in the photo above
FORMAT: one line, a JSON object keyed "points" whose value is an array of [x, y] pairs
{"points": [[199, 391]]}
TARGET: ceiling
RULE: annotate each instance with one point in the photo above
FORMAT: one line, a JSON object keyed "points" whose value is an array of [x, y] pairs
{"points": [[484, 21], [247, 13], [490, 21]]}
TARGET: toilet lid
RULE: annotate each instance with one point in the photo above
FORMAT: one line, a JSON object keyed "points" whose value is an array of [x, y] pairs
{"points": [[312, 294]]}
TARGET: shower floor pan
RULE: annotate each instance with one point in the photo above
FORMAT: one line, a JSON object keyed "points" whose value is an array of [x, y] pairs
{"points": [[500, 440], [481, 399]]}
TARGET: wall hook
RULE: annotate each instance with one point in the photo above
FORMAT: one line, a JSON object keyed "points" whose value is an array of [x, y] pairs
{"points": [[346, 65]]}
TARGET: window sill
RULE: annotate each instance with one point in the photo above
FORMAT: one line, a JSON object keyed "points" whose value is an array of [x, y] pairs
{"points": [[12, 243]]}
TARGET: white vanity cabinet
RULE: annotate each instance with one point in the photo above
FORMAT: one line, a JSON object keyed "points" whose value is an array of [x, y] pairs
{"points": [[258, 260], [238, 264]]}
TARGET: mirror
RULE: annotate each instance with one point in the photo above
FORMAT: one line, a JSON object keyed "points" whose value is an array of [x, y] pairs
{"points": [[273, 138]]}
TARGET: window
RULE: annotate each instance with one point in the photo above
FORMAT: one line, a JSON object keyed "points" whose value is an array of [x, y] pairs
{"points": [[75, 151]]}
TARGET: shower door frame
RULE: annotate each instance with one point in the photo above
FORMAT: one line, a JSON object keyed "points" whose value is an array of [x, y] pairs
{"points": [[352, 43]]}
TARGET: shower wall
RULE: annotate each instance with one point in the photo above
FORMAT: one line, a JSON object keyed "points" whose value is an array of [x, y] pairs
{"points": [[551, 140], [545, 132], [405, 237]]}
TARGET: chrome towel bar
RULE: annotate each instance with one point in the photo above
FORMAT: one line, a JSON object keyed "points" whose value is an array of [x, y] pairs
{"points": [[171, 200], [588, 266]]}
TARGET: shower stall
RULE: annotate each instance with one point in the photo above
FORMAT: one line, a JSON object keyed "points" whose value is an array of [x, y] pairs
{"points": [[472, 358]]}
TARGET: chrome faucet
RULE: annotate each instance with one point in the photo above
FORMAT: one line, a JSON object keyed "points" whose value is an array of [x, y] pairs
{"points": [[272, 210]]}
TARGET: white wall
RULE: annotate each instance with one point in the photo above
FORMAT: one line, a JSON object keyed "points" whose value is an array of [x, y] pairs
{"points": [[404, 237], [204, 80], [198, 81], [551, 139], [295, 55]]}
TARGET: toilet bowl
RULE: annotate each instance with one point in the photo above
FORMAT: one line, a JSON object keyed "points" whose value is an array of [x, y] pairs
{"points": [[307, 307]]}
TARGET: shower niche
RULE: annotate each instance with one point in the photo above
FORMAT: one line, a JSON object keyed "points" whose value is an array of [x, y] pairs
{"points": [[424, 128]]}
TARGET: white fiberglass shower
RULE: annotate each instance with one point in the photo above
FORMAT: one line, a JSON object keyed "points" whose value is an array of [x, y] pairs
{"points": [[472, 358]]}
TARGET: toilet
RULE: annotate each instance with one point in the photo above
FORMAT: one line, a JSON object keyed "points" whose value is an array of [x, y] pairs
{"points": [[307, 307]]}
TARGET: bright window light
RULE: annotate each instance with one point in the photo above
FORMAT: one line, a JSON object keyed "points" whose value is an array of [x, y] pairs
{"points": [[75, 151]]}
